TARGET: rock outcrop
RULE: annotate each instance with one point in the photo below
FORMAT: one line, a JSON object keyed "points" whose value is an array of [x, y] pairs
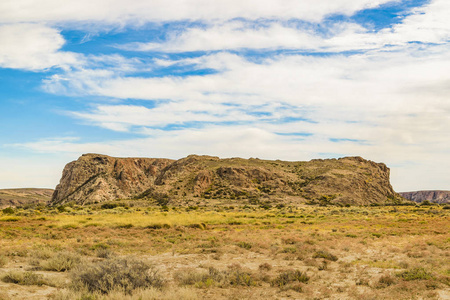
{"points": [[350, 180], [24, 197], [441, 197]]}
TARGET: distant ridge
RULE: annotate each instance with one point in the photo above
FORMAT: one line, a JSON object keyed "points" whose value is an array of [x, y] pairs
{"points": [[441, 197], [26, 196], [207, 179]]}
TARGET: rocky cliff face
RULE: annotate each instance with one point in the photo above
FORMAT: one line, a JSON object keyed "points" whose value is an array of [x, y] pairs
{"points": [[441, 197], [351, 180]]}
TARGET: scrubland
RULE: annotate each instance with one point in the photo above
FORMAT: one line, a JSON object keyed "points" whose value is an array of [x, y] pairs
{"points": [[120, 251]]}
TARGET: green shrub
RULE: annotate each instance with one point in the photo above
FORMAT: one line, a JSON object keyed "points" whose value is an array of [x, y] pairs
{"points": [[244, 245], [8, 211], [426, 203], [325, 255], [126, 274], [239, 277], [415, 274], [288, 277]]}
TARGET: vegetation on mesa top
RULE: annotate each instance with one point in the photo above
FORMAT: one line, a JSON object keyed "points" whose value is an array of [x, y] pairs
{"points": [[97, 178]]}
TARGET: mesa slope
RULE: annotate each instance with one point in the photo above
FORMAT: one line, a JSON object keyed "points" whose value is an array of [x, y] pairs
{"points": [[26, 196], [441, 197], [96, 178]]}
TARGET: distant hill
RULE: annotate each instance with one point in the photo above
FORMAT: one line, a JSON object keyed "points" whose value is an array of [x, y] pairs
{"points": [[207, 179], [19, 197], [441, 197]]}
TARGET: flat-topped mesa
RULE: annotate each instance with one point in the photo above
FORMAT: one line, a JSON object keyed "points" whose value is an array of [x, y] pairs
{"points": [[440, 197], [351, 180]]}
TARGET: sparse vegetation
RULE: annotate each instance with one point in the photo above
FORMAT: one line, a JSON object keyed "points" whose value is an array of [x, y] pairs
{"points": [[237, 252], [288, 277], [415, 274], [61, 262], [325, 255], [24, 278], [125, 274]]}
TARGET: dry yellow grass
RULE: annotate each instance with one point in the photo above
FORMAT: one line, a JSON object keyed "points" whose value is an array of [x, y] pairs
{"points": [[347, 253]]}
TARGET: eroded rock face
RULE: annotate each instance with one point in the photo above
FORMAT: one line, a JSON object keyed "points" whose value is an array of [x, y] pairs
{"points": [[96, 178], [350, 180], [441, 197]]}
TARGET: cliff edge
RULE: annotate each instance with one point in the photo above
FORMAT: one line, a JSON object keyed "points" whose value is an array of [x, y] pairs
{"points": [[96, 178]]}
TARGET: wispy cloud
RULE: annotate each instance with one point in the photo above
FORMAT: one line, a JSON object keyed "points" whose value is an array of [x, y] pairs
{"points": [[142, 11]]}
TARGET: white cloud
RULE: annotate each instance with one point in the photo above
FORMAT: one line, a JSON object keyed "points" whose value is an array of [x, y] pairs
{"points": [[233, 35], [122, 117], [427, 24], [33, 47], [141, 11], [395, 103]]}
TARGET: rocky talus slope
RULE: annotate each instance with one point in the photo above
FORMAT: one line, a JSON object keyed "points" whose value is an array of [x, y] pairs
{"points": [[350, 180], [441, 197]]}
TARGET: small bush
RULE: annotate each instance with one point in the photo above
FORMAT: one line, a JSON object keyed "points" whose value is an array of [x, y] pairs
{"points": [[103, 253], [204, 279], [8, 211], [288, 277], [190, 276], [61, 262], [24, 278], [325, 255], [415, 274], [265, 267], [127, 274], [239, 277], [426, 203], [244, 245], [385, 281]]}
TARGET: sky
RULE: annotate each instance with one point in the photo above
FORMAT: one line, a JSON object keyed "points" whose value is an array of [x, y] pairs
{"points": [[273, 79]]}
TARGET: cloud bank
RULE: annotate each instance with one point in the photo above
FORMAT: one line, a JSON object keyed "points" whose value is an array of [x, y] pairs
{"points": [[269, 79]]}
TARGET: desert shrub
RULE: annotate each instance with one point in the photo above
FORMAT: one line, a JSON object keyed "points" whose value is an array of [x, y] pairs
{"points": [[61, 262], [289, 276], [184, 293], [103, 252], [244, 245], [446, 207], [190, 276], [239, 277], [201, 226], [10, 219], [265, 267], [415, 274], [8, 211], [385, 281], [126, 274], [204, 279], [24, 278], [325, 255]]}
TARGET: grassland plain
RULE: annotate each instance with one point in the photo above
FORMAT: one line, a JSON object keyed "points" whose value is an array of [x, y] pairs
{"points": [[119, 251]]}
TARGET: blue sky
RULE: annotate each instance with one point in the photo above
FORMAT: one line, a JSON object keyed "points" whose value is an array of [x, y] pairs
{"points": [[291, 80]]}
